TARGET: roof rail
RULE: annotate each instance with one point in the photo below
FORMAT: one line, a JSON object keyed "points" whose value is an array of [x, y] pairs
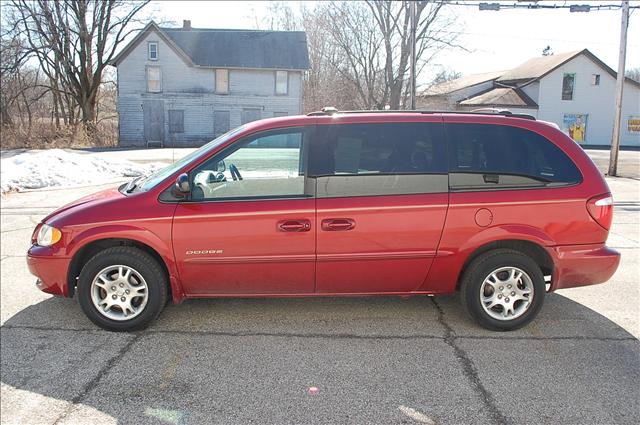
{"points": [[329, 111]]}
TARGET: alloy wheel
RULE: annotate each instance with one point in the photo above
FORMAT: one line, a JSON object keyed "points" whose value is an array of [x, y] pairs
{"points": [[119, 292], [506, 293]]}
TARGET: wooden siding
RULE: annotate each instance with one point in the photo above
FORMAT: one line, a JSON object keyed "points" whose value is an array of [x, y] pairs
{"points": [[192, 90]]}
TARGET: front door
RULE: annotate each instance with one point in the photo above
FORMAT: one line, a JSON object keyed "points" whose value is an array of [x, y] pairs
{"points": [[249, 226], [153, 120], [382, 196]]}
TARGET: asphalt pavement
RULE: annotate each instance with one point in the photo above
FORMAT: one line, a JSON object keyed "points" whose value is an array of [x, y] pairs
{"points": [[382, 360]]}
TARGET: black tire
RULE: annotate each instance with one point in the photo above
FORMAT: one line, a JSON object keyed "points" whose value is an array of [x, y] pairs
{"points": [[480, 268], [145, 265]]}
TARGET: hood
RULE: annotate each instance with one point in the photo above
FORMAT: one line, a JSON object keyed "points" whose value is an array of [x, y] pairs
{"points": [[102, 197]]}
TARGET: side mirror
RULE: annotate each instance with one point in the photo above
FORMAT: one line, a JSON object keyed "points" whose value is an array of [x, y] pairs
{"points": [[182, 184], [222, 167]]}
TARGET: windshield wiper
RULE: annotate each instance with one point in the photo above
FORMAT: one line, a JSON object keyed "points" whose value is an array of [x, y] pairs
{"points": [[132, 184]]}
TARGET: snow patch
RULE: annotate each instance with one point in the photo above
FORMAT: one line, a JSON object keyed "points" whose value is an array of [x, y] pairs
{"points": [[60, 168]]}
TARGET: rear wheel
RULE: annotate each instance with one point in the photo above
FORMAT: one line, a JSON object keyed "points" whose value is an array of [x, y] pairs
{"points": [[502, 289], [122, 289]]}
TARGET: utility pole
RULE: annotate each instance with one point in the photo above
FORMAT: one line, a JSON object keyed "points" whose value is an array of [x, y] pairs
{"points": [[412, 41], [615, 138]]}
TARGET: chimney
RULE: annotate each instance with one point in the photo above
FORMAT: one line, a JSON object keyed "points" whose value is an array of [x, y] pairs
{"points": [[186, 24]]}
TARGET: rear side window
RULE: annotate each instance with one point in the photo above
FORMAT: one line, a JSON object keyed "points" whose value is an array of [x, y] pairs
{"points": [[483, 156], [379, 159]]}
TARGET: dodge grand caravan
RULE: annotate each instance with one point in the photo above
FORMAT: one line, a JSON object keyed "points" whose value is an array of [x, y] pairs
{"points": [[501, 208]]}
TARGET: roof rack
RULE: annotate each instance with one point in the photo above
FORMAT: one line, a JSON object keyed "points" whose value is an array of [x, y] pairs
{"points": [[330, 111]]}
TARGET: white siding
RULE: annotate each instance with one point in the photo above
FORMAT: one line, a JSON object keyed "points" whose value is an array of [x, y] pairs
{"points": [[192, 89], [532, 90], [597, 101]]}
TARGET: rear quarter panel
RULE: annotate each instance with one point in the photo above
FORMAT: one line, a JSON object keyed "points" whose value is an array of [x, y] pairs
{"points": [[548, 217]]}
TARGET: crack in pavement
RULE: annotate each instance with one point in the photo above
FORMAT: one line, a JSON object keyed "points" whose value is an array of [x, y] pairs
{"points": [[95, 381], [469, 370], [333, 335], [16, 229]]}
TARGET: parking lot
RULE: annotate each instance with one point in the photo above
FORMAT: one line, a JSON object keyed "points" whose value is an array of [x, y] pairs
{"points": [[372, 360]]}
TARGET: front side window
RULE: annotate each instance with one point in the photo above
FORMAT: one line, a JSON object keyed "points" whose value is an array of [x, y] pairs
{"points": [[154, 79], [483, 156], [568, 83], [153, 50], [222, 81], [379, 159], [153, 180], [267, 165], [595, 79], [282, 82]]}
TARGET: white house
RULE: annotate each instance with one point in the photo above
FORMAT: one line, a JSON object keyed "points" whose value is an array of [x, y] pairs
{"points": [[575, 90], [184, 86]]}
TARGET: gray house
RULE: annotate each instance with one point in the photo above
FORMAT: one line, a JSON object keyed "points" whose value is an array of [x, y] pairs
{"points": [[185, 86]]}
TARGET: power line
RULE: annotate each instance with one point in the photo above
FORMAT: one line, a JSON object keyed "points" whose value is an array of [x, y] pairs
{"points": [[534, 5]]}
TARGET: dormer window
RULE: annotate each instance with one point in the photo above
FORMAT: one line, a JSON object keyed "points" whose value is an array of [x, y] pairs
{"points": [[153, 50]]}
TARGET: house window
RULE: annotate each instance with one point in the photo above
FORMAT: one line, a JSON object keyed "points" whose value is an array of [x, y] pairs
{"points": [[221, 121], [222, 81], [153, 51], [282, 82], [568, 83], [595, 80], [176, 121], [250, 114], [154, 79]]}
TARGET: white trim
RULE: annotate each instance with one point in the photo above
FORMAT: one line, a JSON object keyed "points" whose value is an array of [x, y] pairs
{"points": [[149, 44]]}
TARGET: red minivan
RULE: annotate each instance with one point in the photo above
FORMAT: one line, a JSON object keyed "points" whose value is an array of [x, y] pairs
{"points": [[499, 207]]}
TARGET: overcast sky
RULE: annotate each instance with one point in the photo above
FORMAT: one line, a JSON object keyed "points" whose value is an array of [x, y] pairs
{"points": [[496, 40]]}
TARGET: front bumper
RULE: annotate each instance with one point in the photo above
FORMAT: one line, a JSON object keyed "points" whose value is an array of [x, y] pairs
{"points": [[581, 265], [51, 273]]}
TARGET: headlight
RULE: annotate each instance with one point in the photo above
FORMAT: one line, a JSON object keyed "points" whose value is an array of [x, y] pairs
{"points": [[48, 235]]}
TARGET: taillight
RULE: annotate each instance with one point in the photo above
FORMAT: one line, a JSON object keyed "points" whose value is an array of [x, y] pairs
{"points": [[601, 209]]}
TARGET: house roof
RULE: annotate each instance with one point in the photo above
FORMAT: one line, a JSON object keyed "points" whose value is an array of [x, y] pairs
{"points": [[501, 96], [224, 48], [529, 71], [221, 48], [538, 67], [461, 83]]}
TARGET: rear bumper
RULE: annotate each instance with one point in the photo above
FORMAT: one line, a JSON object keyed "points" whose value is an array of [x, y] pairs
{"points": [[51, 273], [581, 265]]}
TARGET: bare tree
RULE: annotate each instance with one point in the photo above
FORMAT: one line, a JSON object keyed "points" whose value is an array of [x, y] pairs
{"points": [[446, 75], [372, 45], [633, 73], [73, 42]]}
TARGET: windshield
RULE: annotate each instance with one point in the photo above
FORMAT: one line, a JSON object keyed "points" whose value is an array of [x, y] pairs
{"points": [[159, 176]]}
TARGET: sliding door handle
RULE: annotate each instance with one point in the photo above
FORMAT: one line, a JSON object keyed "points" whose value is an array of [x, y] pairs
{"points": [[338, 224]]}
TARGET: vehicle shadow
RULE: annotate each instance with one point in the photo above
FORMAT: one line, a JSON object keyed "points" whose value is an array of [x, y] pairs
{"points": [[231, 360]]}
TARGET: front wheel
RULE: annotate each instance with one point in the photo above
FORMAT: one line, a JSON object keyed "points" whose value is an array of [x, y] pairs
{"points": [[122, 289], [502, 289]]}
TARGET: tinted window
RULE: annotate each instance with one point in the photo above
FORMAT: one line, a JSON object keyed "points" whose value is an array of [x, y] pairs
{"points": [[495, 155], [389, 148], [379, 159]]}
